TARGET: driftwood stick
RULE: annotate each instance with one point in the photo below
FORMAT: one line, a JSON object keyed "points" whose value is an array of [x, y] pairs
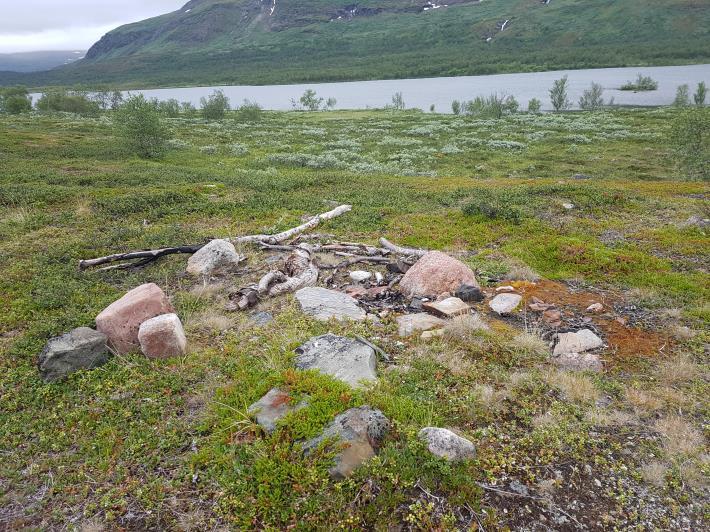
{"points": [[286, 235], [154, 254], [400, 250], [355, 260], [151, 254]]}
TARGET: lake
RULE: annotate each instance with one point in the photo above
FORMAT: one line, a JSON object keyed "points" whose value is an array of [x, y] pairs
{"points": [[422, 93]]}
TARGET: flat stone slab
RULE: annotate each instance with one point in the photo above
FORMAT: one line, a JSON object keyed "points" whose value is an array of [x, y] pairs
{"points": [[410, 324], [82, 348], [577, 342], [323, 304], [359, 432], [505, 303], [274, 406], [448, 308], [579, 362], [447, 444], [342, 358]]}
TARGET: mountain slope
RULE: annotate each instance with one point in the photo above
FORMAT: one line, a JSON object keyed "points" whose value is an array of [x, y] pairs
{"points": [[37, 61], [281, 41]]}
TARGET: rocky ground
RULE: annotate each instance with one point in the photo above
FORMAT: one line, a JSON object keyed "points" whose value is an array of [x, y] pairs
{"points": [[544, 369]]}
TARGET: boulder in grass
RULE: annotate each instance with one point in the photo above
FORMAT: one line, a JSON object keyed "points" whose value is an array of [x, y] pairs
{"points": [[446, 444], [82, 348], [121, 320], [219, 257], [162, 337], [358, 433], [435, 274]]}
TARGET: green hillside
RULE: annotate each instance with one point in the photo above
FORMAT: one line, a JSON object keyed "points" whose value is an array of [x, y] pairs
{"points": [[242, 41]]}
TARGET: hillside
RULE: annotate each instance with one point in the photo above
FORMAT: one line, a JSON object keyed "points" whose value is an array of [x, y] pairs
{"points": [[280, 41], [38, 61]]}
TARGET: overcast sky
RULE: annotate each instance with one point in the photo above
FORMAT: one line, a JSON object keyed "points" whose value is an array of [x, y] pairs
{"points": [[28, 25]]}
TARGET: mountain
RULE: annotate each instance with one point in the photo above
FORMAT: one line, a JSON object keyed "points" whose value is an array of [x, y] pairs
{"points": [[38, 61], [282, 41]]}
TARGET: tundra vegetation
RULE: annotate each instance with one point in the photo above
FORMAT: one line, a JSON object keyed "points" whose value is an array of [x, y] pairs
{"points": [[607, 206], [642, 83]]}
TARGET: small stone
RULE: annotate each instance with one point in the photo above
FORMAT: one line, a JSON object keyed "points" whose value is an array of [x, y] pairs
{"points": [[446, 444], [413, 323], [82, 348], [379, 277], [275, 405], [261, 319], [434, 274], [505, 289], [581, 176], [219, 257], [595, 307], [162, 337], [540, 307], [323, 304], [505, 303], [448, 308], [568, 206], [360, 276], [470, 294], [121, 320], [428, 335], [552, 317], [577, 342], [359, 432], [342, 358]]}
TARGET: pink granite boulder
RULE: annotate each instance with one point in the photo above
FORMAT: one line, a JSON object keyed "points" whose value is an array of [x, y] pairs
{"points": [[162, 337], [434, 274], [121, 320]]}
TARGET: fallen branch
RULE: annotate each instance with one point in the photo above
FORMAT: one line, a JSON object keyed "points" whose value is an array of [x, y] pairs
{"points": [[298, 272], [151, 255], [286, 235], [355, 260], [398, 250]]}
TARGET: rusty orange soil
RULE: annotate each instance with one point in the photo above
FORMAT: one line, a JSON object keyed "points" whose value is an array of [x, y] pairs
{"points": [[624, 341]]}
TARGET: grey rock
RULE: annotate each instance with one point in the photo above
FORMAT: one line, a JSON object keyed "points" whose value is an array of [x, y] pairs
{"points": [[412, 323], [446, 444], [359, 432], [577, 342], [505, 303], [342, 358], [470, 294], [275, 405], [260, 319], [323, 304], [581, 176], [219, 257], [82, 348], [579, 362]]}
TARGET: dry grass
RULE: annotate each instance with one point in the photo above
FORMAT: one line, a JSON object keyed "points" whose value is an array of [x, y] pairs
{"points": [[682, 333], [530, 344], [210, 320], [680, 438], [654, 473], [489, 398], [465, 327], [547, 419], [521, 272], [610, 418], [643, 403], [575, 387], [679, 370]]}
